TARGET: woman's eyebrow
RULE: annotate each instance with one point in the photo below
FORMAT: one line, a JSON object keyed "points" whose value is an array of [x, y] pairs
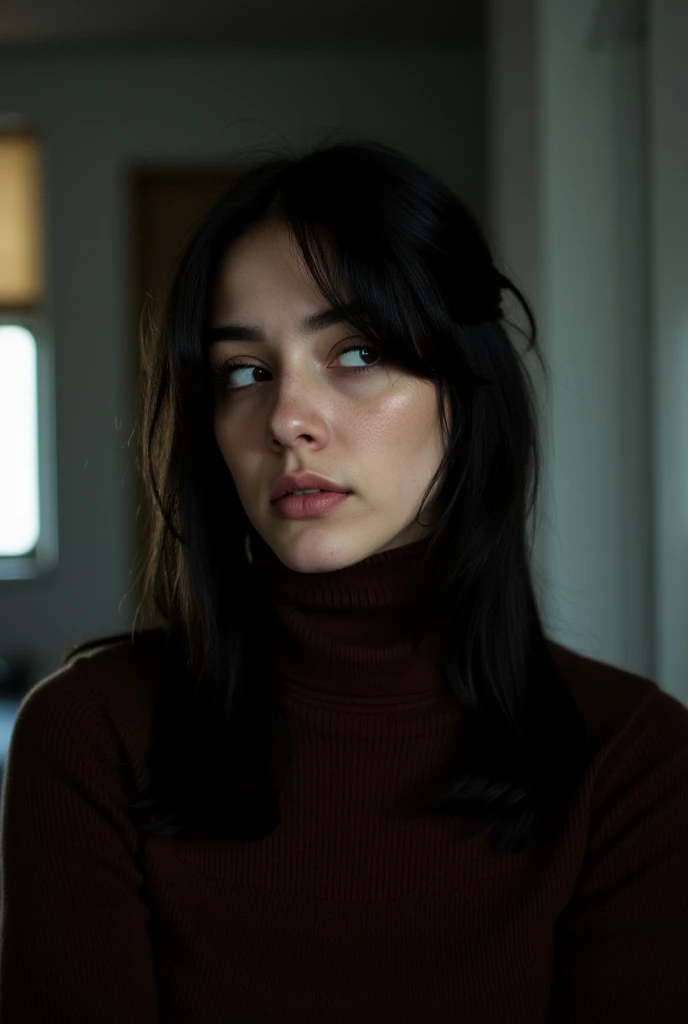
{"points": [[308, 325]]}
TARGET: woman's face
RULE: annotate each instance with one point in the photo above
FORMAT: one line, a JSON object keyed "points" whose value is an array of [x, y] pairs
{"points": [[298, 405]]}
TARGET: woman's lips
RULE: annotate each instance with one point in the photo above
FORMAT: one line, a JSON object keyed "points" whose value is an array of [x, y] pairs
{"points": [[307, 506]]}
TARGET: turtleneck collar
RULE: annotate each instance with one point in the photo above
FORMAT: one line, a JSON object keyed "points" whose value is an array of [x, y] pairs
{"points": [[349, 634]]}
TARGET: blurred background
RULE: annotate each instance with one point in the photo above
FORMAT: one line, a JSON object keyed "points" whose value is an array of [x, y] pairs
{"points": [[563, 126]]}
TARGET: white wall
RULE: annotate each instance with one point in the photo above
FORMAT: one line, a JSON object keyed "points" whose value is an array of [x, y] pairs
{"points": [[588, 171], [101, 111], [599, 415]]}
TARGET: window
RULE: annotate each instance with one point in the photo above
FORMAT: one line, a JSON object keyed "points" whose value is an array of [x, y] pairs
{"points": [[27, 521], [19, 509]]}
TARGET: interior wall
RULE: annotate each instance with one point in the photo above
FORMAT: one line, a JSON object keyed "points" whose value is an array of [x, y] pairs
{"points": [[599, 534], [568, 202], [102, 110]]}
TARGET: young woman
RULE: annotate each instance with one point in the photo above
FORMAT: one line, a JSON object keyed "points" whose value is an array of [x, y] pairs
{"points": [[340, 773]]}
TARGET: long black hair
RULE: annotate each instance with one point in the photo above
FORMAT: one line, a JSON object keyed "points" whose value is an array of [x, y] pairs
{"points": [[376, 228]]}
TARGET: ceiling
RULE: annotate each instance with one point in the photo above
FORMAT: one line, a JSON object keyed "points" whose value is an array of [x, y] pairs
{"points": [[32, 22]]}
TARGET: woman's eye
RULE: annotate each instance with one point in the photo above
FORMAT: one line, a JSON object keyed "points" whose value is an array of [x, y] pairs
{"points": [[226, 379], [361, 348], [231, 376]]}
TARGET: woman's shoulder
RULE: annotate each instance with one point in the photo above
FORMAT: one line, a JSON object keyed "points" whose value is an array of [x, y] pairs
{"points": [[599, 687], [133, 656], [114, 677], [635, 799], [117, 664], [622, 710]]}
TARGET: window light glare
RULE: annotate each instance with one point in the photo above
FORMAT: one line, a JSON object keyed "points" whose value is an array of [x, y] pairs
{"points": [[19, 509]]}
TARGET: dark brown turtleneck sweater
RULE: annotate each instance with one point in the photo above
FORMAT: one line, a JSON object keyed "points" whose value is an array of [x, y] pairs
{"points": [[351, 911]]}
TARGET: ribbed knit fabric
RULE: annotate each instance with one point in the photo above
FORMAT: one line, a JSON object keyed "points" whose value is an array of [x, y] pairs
{"points": [[353, 910]]}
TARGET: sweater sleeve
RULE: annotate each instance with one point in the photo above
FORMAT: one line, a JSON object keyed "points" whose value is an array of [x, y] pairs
{"points": [[622, 947], [74, 944]]}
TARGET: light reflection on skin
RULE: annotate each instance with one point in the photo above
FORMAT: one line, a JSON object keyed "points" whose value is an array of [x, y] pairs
{"points": [[376, 433]]}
